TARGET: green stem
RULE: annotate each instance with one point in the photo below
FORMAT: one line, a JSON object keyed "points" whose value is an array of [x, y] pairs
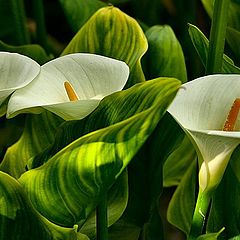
{"points": [[18, 13], [102, 220], [199, 215], [38, 11], [217, 36]]}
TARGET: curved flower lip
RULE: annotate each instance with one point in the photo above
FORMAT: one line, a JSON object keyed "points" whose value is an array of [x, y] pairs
{"points": [[204, 103], [16, 72], [92, 76]]}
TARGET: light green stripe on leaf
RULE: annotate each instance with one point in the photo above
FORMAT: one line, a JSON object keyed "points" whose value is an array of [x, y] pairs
{"points": [[112, 33], [20, 221], [67, 188]]}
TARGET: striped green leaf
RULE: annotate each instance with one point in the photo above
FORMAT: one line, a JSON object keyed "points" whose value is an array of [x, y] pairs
{"points": [[112, 33], [67, 188], [164, 57], [112, 109], [20, 221], [38, 134]]}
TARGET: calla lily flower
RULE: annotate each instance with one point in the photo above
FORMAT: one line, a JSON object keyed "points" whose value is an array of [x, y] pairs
{"points": [[201, 108], [70, 86], [16, 71]]}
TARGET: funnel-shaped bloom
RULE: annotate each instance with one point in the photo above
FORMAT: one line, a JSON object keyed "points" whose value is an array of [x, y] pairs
{"points": [[16, 71], [92, 77], [201, 108]]}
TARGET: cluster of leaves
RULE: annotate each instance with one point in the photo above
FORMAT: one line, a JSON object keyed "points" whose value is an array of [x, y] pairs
{"points": [[54, 173]]}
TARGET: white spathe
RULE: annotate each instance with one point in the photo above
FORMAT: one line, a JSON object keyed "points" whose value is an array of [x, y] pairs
{"points": [[16, 71], [201, 108], [92, 76]]}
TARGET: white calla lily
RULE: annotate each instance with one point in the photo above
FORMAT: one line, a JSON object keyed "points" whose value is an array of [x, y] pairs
{"points": [[201, 108], [16, 71], [92, 76]]}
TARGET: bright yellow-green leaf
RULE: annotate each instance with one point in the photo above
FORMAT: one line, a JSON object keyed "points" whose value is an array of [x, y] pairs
{"points": [[67, 188], [20, 221]]}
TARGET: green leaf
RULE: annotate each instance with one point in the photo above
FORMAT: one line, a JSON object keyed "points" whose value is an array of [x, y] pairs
{"points": [[78, 12], [178, 162], [201, 43], [124, 230], [90, 165], [112, 33], [145, 177], [210, 236], [235, 238], [164, 57], [38, 134], [20, 221], [34, 51], [225, 211], [181, 206]]}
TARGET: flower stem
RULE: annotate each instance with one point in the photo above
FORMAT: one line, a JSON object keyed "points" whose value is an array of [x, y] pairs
{"points": [[18, 13], [102, 220], [199, 215], [217, 36]]}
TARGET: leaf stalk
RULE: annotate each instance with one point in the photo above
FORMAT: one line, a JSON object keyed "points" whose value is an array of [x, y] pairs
{"points": [[102, 219], [217, 36]]}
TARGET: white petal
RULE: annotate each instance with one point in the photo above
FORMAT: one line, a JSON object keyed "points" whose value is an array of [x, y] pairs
{"points": [[204, 103], [92, 77], [16, 71], [214, 149]]}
